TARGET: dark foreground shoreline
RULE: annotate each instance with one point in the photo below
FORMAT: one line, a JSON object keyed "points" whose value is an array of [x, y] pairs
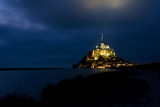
{"points": [[121, 88]]}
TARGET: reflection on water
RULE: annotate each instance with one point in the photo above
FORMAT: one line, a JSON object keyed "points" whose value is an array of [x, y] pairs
{"points": [[97, 70]]}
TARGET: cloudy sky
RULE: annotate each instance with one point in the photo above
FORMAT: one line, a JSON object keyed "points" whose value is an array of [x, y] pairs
{"points": [[58, 33]]}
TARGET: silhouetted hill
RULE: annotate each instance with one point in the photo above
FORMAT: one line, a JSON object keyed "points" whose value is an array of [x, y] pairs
{"points": [[98, 89]]}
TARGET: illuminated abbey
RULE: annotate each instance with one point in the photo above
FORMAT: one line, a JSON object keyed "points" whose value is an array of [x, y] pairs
{"points": [[101, 57], [102, 50]]}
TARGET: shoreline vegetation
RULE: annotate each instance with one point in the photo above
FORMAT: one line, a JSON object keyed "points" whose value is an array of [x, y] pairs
{"points": [[107, 88], [102, 62]]}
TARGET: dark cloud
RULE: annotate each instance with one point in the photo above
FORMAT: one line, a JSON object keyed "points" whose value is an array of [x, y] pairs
{"points": [[75, 13], [58, 33]]}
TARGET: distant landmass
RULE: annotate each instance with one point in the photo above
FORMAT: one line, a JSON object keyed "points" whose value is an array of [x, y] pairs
{"points": [[102, 57], [151, 66]]}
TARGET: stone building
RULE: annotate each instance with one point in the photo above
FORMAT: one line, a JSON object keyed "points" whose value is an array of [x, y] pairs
{"points": [[102, 50]]}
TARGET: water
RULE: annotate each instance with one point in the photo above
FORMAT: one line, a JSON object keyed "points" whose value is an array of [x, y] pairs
{"points": [[32, 82]]}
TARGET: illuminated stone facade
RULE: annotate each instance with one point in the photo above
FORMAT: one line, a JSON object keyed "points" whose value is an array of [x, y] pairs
{"points": [[102, 50]]}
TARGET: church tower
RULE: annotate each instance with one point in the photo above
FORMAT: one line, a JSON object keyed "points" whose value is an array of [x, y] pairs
{"points": [[102, 43]]}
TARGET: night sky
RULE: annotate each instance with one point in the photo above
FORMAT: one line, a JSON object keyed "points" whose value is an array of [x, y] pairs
{"points": [[58, 33]]}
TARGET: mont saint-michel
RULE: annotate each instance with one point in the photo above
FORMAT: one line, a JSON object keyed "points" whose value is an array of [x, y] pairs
{"points": [[102, 57]]}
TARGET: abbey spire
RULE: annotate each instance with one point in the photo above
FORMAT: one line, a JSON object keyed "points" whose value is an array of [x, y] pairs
{"points": [[102, 38]]}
